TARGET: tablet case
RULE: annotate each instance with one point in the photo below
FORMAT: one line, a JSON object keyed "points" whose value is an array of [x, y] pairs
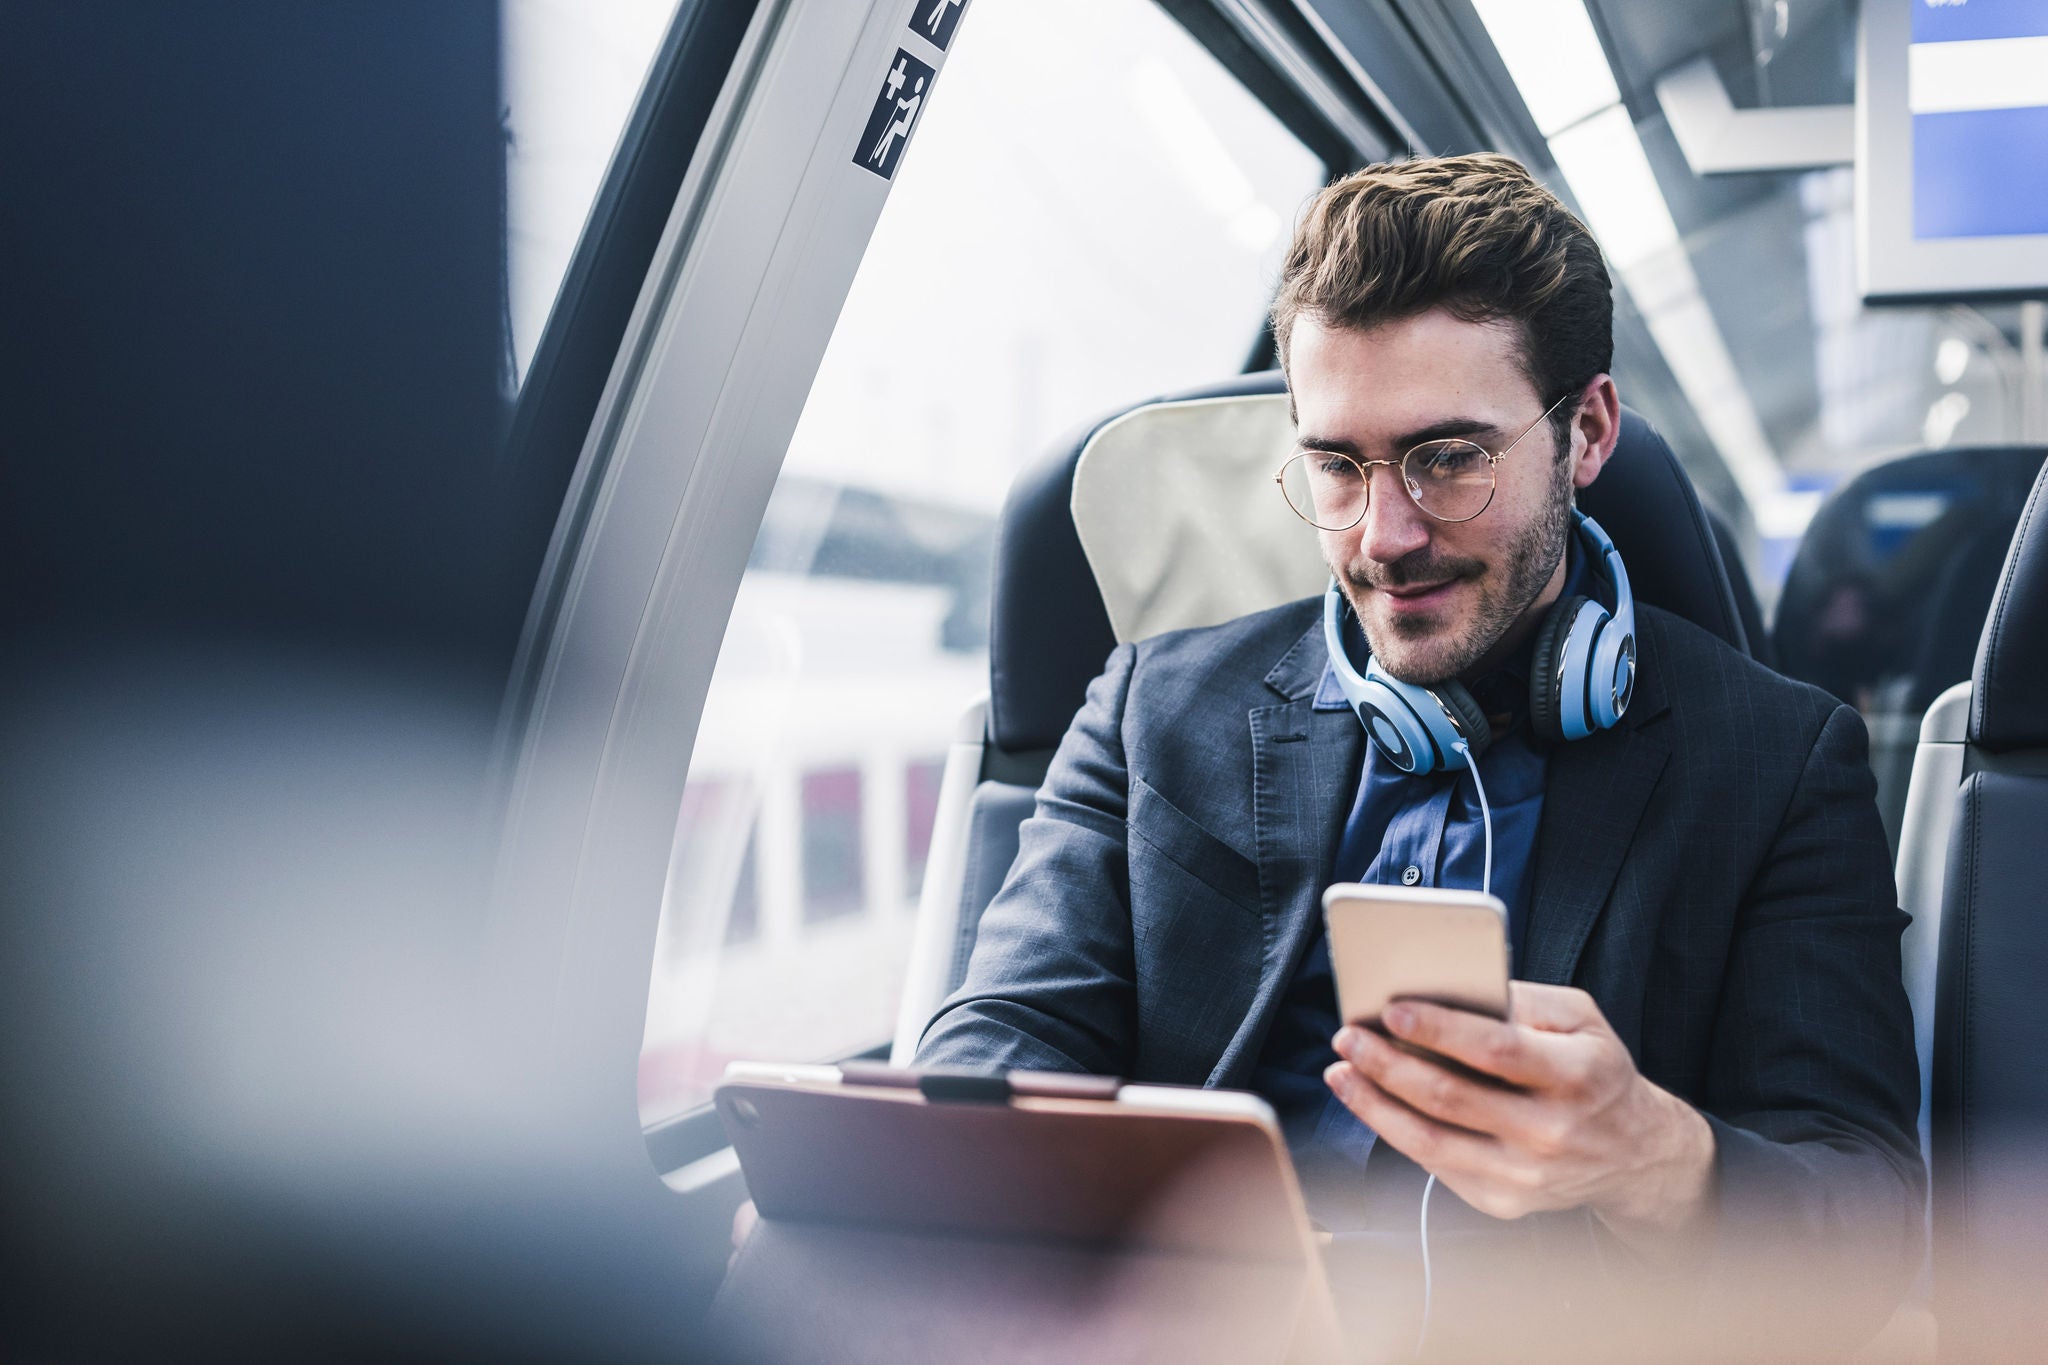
{"points": [[899, 1228]]}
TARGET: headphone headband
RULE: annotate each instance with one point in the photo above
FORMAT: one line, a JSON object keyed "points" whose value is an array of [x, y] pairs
{"points": [[1582, 678]]}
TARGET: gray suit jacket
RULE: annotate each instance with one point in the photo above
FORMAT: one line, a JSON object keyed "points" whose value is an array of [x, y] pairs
{"points": [[1712, 871]]}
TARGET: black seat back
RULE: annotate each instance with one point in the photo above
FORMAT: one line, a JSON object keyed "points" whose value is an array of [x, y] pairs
{"points": [[1990, 1083]]}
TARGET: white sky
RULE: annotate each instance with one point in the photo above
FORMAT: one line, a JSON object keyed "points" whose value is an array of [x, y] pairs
{"points": [[1091, 210]]}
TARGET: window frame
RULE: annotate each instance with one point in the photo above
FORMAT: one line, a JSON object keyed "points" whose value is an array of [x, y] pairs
{"points": [[645, 556], [586, 329]]}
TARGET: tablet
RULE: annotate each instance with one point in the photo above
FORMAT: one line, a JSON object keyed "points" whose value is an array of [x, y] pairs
{"points": [[1017, 1154], [919, 1215]]}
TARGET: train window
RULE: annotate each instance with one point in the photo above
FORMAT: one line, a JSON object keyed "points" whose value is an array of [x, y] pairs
{"points": [[922, 810], [571, 74], [743, 916], [833, 884], [1078, 225]]}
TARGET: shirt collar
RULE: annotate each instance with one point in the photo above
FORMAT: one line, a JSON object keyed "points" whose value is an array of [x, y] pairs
{"points": [[1506, 688]]}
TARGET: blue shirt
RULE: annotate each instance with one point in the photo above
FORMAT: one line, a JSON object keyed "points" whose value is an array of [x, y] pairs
{"points": [[1414, 831]]}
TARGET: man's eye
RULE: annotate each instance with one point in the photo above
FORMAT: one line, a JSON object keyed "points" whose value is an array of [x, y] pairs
{"points": [[1448, 459], [1336, 467]]}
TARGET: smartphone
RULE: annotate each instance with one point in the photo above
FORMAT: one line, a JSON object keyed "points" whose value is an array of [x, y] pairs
{"points": [[1391, 943]]}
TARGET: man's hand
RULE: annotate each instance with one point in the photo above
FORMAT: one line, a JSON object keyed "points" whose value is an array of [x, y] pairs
{"points": [[1579, 1127]]}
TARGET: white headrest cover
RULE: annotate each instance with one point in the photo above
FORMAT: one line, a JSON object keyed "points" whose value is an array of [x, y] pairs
{"points": [[1181, 521]]}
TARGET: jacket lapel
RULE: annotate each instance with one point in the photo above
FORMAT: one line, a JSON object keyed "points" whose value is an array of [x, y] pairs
{"points": [[1304, 768], [1594, 795]]}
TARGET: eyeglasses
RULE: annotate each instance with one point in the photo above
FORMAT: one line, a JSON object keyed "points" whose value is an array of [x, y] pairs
{"points": [[1452, 480]]}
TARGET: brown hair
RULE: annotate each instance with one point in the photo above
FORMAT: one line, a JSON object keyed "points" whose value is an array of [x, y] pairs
{"points": [[1476, 235]]}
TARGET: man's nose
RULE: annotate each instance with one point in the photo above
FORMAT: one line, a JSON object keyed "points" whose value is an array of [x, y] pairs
{"points": [[1394, 526]]}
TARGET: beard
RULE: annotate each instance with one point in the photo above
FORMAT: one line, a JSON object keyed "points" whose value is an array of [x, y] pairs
{"points": [[1428, 648]]}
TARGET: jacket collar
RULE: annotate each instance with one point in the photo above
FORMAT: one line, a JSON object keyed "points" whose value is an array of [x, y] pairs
{"points": [[1300, 669]]}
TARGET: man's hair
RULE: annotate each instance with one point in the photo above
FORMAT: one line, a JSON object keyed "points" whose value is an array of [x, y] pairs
{"points": [[1476, 235]]}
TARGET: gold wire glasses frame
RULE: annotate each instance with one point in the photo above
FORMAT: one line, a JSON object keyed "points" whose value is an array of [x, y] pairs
{"points": [[1452, 480]]}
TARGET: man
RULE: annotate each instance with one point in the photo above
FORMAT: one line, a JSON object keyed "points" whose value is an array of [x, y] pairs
{"points": [[1709, 1062]]}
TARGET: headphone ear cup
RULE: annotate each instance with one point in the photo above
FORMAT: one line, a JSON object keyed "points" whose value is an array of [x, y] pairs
{"points": [[1472, 723], [1392, 722], [1545, 715]]}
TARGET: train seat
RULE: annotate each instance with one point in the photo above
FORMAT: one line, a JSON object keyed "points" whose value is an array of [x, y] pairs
{"points": [[1162, 516], [1983, 766], [1912, 550]]}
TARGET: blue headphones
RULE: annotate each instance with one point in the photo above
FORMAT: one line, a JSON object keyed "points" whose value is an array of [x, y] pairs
{"points": [[1580, 681]]}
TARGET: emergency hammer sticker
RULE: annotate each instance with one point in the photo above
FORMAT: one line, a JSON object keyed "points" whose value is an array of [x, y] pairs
{"points": [[904, 91]]}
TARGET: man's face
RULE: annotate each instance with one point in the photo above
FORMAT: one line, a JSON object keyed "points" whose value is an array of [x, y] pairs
{"points": [[1436, 598]]}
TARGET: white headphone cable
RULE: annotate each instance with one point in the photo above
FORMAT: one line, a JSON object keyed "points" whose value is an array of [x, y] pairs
{"points": [[1429, 1186], [1422, 1333], [1485, 818]]}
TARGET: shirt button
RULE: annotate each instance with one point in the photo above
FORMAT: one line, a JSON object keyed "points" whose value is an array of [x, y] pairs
{"points": [[1410, 875]]}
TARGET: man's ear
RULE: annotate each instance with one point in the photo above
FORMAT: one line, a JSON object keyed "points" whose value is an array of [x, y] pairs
{"points": [[1596, 427]]}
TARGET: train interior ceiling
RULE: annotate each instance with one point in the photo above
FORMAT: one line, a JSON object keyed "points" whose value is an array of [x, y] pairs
{"points": [[501, 513]]}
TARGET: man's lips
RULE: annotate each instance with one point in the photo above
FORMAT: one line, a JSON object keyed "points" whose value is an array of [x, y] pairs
{"points": [[1413, 596]]}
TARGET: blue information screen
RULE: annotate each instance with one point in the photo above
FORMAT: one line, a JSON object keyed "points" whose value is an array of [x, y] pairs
{"points": [[1977, 85]]}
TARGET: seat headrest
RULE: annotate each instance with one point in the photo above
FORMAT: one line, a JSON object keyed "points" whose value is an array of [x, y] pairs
{"points": [[1746, 605], [1646, 504], [1885, 602], [1179, 518], [1049, 631], [2009, 695], [1050, 626]]}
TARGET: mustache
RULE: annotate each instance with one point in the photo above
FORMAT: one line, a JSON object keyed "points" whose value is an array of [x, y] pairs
{"points": [[1423, 566]]}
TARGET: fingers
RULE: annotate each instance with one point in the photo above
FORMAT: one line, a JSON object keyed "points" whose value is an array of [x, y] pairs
{"points": [[1431, 1145], [1429, 1088], [1489, 1045], [1554, 1009], [1476, 1169]]}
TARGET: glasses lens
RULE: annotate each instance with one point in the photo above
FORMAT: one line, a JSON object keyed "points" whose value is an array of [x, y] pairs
{"points": [[1450, 480], [1325, 490]]}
